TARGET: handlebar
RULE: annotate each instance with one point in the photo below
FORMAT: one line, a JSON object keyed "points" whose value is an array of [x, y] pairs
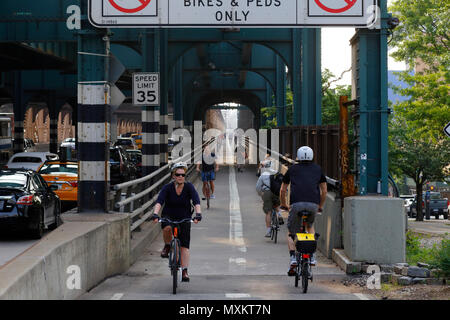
{"points": [[175, 222]]}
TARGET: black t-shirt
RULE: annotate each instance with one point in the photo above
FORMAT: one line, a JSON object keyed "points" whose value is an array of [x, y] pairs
{"points": [[177, 207], [304, 179]]}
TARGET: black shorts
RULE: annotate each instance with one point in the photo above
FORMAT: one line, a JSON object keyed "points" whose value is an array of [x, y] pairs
{"points": [[184, 233]]}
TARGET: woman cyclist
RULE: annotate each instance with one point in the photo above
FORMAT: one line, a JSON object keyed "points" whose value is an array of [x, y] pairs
{"points": [[177, 196]]}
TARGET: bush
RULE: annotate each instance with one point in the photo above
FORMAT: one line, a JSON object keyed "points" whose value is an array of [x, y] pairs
{"points": [[443, 257]]}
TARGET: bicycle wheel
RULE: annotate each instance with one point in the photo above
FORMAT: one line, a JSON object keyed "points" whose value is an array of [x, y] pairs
{"points": [[305, 275], [174, 264]]}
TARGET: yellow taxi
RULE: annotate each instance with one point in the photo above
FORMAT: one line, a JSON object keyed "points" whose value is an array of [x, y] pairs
{"points": [[137, 137], [64, 174]]}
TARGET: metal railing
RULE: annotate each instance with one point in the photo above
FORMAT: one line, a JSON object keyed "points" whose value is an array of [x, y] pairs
{"points": [[137, 192], [331, 183]]}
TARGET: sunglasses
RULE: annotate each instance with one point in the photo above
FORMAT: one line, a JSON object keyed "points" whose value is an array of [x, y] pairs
{"points": [[180, 175]]}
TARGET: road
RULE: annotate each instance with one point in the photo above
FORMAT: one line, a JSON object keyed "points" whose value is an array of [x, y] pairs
{"points": [[230, 257], [434, 227]]}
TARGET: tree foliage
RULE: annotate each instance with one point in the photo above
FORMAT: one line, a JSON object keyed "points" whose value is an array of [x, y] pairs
{"points": [[418, 146]]}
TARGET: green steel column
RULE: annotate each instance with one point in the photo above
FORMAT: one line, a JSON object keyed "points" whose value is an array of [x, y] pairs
{"points": [[164, 88], [281, 92], [370, 47], [311, 86], [298, 119], [178, 94]]}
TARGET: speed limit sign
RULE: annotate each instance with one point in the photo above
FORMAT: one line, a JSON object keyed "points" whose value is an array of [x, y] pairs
{"points": [[146, 89]]}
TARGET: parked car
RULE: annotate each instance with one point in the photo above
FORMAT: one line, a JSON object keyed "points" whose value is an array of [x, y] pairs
{"points": [[438, 205], [137, 137], [126, 143], [30, 160], [120, 165], [68, 142], [136, 158], [64, 176], [408, 199], [27, 203], [29, 145]]}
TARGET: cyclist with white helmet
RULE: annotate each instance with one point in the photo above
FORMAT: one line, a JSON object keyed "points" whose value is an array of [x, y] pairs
{"points": [[176, 197], [308, 192]]}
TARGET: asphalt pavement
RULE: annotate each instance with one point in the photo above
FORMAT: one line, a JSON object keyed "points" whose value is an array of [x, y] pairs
{"points": [[230, 257]]}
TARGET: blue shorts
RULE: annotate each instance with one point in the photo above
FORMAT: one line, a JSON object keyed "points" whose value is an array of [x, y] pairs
{"points": [[208, 176]]}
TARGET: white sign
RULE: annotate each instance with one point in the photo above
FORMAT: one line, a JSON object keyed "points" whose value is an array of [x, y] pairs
{"points": [[146, 89], [447, 129], [231, 13]]}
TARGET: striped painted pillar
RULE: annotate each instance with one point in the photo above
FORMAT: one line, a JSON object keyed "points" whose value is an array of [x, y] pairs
{"points": [[54, 134], [150, 140], [19, 112], [164, 136], [93, 148]]}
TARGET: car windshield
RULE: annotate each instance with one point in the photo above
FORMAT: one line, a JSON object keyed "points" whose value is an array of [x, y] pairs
{"points": [[27, 159], [59, 168], [122, 142], [435, 196], [13, 180]]}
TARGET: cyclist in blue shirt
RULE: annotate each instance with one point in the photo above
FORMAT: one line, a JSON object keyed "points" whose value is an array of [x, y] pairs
{"points": [[208, 170], [177, 197]]}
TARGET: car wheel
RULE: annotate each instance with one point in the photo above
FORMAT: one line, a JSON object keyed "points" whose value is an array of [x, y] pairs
{"points": [[57, 214], [445, 216], [38, 231]]}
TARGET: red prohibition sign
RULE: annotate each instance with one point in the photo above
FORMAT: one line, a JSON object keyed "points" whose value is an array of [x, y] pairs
{"points": [[350, 3], [143, 4]]}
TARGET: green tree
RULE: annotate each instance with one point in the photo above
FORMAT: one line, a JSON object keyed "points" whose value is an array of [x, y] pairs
{"points": [[418, 147], [330, 102]]}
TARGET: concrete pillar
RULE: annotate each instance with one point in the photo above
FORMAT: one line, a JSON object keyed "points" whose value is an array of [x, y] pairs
{"points": [[20, 103]]}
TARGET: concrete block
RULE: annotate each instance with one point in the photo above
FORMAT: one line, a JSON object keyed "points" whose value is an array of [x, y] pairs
{"points": [[388, 268], [385, 277], [405, 281], [329, 226], [417, 272], [423, 265], [344, 263], [394, 278], [404, 271], [374, 229], [419, 281]]}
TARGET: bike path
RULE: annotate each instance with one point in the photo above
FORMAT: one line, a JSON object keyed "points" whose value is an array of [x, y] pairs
{"points": [[230, 257]]}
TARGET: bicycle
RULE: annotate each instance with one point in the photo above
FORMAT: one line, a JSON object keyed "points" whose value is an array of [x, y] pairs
{"points": [[274, 226], [175, 251], [305, 246]]}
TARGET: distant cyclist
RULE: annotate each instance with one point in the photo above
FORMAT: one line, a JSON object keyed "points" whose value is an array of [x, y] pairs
{"points": [[208, 169], [176, 197], [270, 200], [308, 192]]}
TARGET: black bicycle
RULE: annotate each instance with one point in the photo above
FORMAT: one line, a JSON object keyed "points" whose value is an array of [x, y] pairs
{"points": [[305, 246], [175, 250], [274, 226]]}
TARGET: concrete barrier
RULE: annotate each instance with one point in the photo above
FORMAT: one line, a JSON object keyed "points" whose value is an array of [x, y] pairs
{"points": [[329, 226], [71, 260], [374, 229]]}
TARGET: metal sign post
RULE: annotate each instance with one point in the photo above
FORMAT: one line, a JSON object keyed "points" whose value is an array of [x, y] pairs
{"points": [[218, 13]]}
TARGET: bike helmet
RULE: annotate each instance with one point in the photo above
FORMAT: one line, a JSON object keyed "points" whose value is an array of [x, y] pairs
{"points": [[305, 153], [179, 165]]}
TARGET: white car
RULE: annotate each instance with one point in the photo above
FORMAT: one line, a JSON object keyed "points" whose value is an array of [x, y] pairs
{"points": [[30, 160], [68, 142]]}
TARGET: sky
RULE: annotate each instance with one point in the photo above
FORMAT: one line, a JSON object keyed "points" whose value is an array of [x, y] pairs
{"points": [[337, 56]]}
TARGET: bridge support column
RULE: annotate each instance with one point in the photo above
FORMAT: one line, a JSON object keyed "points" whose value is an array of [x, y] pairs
{"points": [[164, 88], [369, 65], [151, 114], [53, 109], [178, 95], [20, 105], [94, 114], [281, 92]]}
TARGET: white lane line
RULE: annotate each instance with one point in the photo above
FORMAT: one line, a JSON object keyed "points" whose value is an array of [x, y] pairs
{"points": [[237, 295], [361, 296], [117, 296], [236, 234]]}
